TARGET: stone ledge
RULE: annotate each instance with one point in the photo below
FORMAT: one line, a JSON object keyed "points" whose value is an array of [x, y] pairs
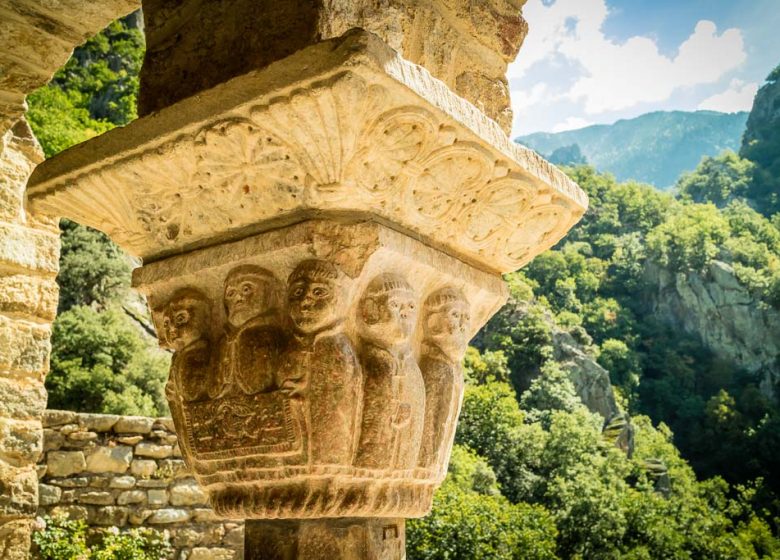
{"points": [[345, 126]]}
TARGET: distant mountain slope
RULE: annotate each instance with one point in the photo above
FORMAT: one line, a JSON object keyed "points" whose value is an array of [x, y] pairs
{"points": [[654, 148]]}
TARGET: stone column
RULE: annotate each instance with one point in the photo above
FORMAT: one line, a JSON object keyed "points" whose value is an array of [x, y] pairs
{"points": [[322, 233], [29, 253]]}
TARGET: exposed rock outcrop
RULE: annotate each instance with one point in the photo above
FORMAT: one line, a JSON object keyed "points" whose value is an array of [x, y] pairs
{"points": [[719, 310]]}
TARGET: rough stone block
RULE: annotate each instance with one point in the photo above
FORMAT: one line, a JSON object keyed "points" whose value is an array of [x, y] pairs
{"points": [[234, 538], [152, 483], [49, 495], [24, 347], [73, 482], [81, 439], [134, 425], [122, 482], [110, 459], [201, 553], [54, 418], [114, 516], [71, 512], [187, 493], [21, 441], [98, 422], [131, 497], [96, 498], [146, 449], [65, 463], [52, 439], [28, 248], [26, 294], [169, 515], [19, 491], [138, 516], [130, 440], [157, 497], [15, 539], [143, 468]]}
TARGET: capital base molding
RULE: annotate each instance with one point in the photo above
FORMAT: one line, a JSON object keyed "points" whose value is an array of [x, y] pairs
{"points": [[342, 127], [345, 539], [316, 371]]}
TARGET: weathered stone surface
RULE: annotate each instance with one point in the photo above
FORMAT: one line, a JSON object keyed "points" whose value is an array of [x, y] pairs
{"points": [[201, 553], [21, 294], [157, 497], [400, 130], [146, 449], [110, 459], [168, 515], [343, 539], [96, 498], [19, 487], [134, 425], [113, 516], [49, 495], [131, 497], [466, 44], [52, 439], [21, 441], [53, 418], [122, 482], [29, 248], [143, 468], [98, 422], [130, 440], [65, 463], [73, 482], [24, 349], [153, 482], [71, 512], [187, 493], [15, 539]]}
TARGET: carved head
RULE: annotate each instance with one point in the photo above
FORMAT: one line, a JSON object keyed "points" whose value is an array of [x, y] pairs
{"points": [[250, 291], [388, 309], [447, 320], [185, 319], [314, 295]]}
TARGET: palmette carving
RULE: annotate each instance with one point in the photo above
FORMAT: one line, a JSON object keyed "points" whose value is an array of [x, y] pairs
{"points": [[351, 140]]}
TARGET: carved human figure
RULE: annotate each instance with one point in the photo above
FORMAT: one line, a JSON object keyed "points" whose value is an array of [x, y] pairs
{"points": [[394, 394], [185, 321], [321, 367], [253, 343], [445, 337]]}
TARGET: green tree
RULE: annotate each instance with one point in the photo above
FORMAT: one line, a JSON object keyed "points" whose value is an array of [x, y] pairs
{"points": [[718, 180]]}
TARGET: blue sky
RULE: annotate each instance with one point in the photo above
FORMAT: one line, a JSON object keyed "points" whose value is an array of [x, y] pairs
{"points": [[596, 61]]}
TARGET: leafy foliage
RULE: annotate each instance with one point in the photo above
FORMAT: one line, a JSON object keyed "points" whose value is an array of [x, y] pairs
{"points": [[65, 539]]}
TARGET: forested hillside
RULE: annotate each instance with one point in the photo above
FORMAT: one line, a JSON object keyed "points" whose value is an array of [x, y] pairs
{"points": [[624, 404], [654, 148]]}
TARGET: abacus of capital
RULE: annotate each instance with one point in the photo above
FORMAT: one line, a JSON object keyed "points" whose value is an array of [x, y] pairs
{"points": [[323, 226]]}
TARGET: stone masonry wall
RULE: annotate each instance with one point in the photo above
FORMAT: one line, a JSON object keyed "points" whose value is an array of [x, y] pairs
{"points": [[127, 471]]}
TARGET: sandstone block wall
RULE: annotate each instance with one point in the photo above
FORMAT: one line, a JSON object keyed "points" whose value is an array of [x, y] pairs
{"points": [[127, 471]]}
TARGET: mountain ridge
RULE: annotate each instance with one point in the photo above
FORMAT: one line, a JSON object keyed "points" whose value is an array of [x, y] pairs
{"points": [[654, 148]]}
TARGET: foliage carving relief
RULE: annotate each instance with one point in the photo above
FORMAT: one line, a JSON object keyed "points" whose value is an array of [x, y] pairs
{"points": [[348, 145]]}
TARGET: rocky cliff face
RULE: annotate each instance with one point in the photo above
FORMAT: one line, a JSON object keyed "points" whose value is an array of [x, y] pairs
{"points": [[724, 315]]}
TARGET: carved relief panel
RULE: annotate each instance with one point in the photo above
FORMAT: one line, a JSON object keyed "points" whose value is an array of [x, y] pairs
{"points": [[316, 369]]}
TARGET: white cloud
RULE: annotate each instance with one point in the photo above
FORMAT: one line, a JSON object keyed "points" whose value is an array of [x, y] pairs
{"points": [[738, 97], [616, 76], [571, 123], [522, 100]]}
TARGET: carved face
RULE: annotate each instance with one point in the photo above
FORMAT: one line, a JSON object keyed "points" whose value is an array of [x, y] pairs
{"points": [[184, 322], [447, 325], [313, 302], [246, 297], [388, 310]]}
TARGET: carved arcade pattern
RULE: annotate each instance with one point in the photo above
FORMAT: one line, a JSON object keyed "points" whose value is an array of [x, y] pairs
{"points": [[351, 424]]}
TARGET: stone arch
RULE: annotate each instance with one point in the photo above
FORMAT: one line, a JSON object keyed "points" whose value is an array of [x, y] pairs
{"points": [[37, 38]]}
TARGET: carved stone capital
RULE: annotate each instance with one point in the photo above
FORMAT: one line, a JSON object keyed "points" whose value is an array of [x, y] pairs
{"points": [[316, 369]]}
